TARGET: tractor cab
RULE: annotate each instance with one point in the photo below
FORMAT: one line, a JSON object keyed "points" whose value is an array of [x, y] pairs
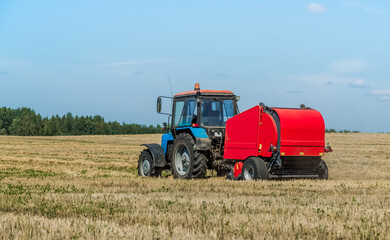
{"points": [[207, 109], [202, 114], [203, 108]]}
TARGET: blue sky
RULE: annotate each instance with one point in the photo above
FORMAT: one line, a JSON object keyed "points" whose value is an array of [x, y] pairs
{"points": [[112, 58]]}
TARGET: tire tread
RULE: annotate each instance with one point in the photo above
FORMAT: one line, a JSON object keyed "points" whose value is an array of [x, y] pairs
{"points": [[199, 161]]}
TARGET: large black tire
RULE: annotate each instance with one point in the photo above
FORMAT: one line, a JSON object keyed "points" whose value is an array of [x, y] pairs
{"points": [[146, 166], [254, 168], [187, 162], [169, 153], [323, 172]]}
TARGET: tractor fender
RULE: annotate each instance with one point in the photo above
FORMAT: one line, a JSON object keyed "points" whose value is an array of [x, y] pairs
{"points": [[202, 140], [203, 144], [157, 154]]}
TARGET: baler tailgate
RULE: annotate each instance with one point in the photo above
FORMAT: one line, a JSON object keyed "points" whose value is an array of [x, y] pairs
{"points": [[302, 132]]}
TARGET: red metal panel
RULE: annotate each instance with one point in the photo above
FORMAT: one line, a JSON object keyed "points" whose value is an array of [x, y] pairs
{"points": [[302, 132], [268, 135], [301, 151], [237, 169], [251, 133], [241, 135]]}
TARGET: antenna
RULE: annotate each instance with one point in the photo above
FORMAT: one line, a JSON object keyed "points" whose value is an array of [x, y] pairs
{"points": [[170, 84]]}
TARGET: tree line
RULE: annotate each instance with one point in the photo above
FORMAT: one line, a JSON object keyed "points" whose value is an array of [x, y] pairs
{"points": [[341, 131], [26, 122]]}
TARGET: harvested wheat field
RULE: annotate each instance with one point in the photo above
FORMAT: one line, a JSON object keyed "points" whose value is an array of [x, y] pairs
{"points": [[87, 187]]}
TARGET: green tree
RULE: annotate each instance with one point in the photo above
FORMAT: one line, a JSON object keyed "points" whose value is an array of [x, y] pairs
{"points": [[25, 122]]}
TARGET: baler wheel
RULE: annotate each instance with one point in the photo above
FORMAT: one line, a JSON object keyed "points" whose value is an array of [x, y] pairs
{"points": [[146, 167], [187, 162], [254, 168], [323, 170]]}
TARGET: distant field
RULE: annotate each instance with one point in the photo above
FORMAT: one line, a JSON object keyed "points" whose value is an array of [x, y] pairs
{"points": [[87, 187]]}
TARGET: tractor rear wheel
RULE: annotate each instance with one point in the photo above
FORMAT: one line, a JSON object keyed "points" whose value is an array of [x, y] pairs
{"points": [[187, 162], [254, 168], [146, 166], [323, 170]]}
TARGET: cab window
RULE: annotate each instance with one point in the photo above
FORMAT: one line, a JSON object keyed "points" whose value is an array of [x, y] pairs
{"points": [[216, 112], [185, 112]]}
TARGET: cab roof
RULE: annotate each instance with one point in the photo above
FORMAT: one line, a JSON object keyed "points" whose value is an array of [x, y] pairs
{"points": [[205, 93]]}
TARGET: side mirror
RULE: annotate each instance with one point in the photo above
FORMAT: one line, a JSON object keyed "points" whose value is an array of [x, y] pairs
{"points": [[237, 98], [158, 104]]}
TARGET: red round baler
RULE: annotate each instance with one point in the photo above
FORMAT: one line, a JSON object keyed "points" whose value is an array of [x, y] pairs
{"points": [[288, 141]]}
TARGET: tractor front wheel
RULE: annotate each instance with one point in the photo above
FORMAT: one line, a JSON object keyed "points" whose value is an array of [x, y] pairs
{"points": [[187, 162], [254, 168], [145, 165]]}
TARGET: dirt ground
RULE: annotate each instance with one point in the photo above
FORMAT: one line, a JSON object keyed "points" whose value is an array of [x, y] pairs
{"points": [[87, 187]]}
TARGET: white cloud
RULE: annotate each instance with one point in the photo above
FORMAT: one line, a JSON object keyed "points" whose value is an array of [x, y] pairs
{"points": [[349, 65], [338, 73], [385, 98], [342, 73], [364, 7], [322, 78], [333, 79], [294, 91], [383, 92], [316, 8], [136, 62], [359, 83]]}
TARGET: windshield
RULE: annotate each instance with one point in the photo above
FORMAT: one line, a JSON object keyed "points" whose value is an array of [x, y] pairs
{"points": [[216, 112], [185, 112]]}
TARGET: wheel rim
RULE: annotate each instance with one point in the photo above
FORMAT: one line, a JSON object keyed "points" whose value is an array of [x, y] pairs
{"points": [[249, 172], [145, 166], [182, 160]]}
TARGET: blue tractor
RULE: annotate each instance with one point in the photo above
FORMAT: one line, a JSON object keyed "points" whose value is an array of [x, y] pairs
{"points": [[195, 136]]}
